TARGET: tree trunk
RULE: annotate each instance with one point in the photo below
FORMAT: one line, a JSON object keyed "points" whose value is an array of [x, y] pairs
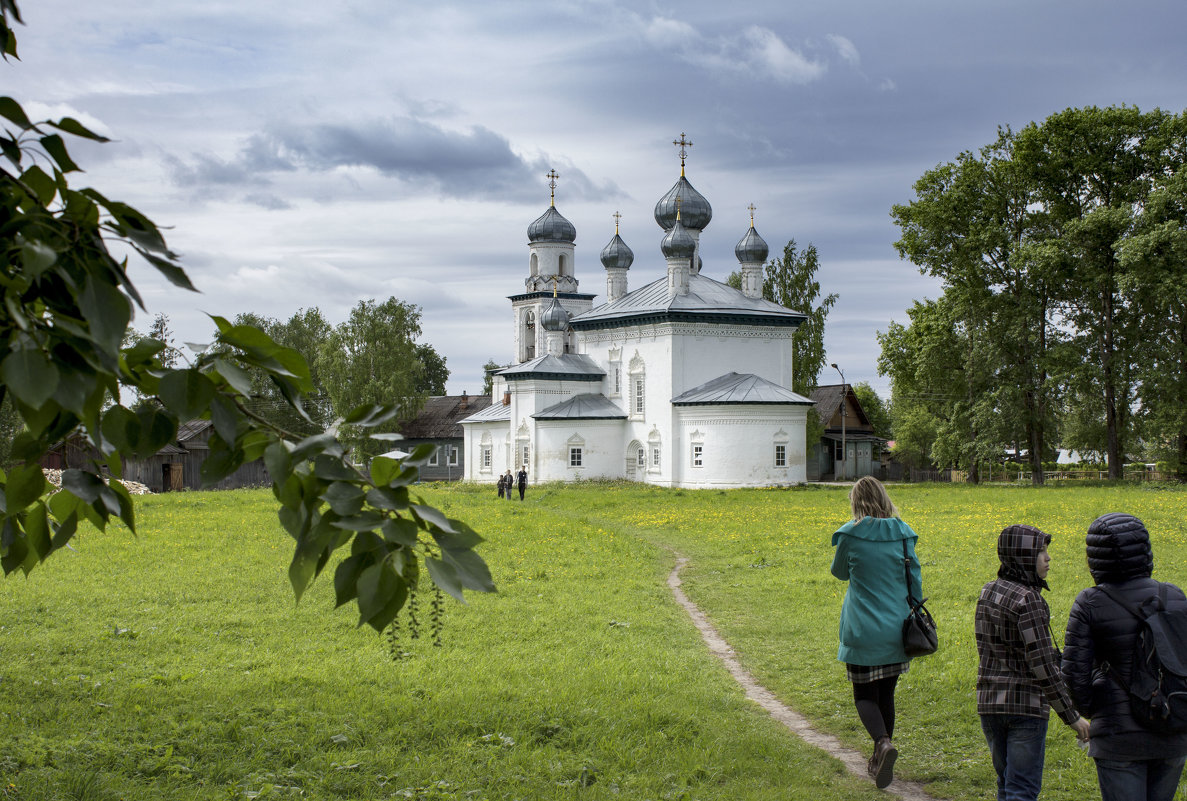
{"points": [[1108, 379]]}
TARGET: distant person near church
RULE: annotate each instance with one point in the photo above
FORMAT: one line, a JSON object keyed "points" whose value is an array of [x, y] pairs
{"points": [[502, 486], [523, 481], [508, 483]]}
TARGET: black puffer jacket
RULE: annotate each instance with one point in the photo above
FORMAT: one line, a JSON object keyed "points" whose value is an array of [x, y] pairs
{"points": [[1099, 630]]}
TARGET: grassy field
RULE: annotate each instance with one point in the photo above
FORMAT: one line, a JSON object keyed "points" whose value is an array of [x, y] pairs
{"points": [[176, 666]]}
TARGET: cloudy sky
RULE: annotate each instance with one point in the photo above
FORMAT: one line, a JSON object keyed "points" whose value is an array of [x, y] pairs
{"points": [[306, 153]]}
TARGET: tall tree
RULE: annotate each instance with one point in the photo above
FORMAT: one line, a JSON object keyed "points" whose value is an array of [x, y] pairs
{"points": [[974, 225], [488, 379], [370, 358], [875, 409], [433, 374], [163, 333], [1153, 259], [67, 304], [1092, 170]]}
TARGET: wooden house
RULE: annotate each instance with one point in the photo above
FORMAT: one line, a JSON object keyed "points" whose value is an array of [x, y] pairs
{"points": [[848, 448]]}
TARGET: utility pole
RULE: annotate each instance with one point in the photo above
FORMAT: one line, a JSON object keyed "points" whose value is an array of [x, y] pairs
{"points": [[844, 411]]}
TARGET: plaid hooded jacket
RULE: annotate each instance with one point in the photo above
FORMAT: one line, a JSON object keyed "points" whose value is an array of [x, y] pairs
{"points": [[1018, 670]]}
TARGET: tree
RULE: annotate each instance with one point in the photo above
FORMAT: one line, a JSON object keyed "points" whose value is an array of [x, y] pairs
{"points": [[161, 332], [67, 304], [974, 224], [433, 372], [875, 409], [370, 358], [488, 379]]}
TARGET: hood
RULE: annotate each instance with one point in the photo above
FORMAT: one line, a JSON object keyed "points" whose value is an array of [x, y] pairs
{"points": [[1119, 549], [1018, 549]]}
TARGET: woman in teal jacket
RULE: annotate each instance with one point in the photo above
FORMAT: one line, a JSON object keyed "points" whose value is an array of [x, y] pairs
{"points": [[869, 555]]}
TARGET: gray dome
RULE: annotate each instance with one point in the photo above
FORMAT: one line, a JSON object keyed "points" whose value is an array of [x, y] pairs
{"points": [[751, 248], [695, 211], [617, 254], [551, 227], [678, 242], [554, 318]]}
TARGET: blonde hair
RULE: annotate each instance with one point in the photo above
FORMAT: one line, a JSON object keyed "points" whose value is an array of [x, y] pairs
{"points": [[868, 498]]}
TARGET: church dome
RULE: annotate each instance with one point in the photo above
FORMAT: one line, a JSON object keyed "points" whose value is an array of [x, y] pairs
{"points": [[751, 248], [695, 211], [617, 254], [678, 242], [554, 318], [551, 227]]}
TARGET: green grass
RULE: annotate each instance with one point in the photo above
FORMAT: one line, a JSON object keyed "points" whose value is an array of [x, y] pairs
{"points": [[175, 665]]}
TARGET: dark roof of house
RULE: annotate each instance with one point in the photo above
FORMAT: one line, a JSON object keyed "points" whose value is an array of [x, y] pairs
{"points": [[441, 415], [191, 429], [828, 401], [566, 367], [739, 388]]}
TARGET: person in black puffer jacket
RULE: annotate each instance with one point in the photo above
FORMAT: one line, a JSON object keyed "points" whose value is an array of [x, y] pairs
{"points": [[1132, 762]]}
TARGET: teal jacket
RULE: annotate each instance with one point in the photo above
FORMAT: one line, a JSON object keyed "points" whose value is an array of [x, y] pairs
{"points": [[870, 557]]}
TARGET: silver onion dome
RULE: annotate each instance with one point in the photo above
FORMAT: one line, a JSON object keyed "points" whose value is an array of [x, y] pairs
{"points": [[617, 254], [554, 317], [678, 242], [751, 248], [551, 227], [695, 211]]}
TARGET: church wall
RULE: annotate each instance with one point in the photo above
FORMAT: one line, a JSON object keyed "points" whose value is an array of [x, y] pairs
{"points": [[737, 445], [600, 443], [714, 351], [477, 437]]}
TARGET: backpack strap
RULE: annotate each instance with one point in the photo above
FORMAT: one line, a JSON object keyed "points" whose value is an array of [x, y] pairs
{"points": [[1128, 607]]}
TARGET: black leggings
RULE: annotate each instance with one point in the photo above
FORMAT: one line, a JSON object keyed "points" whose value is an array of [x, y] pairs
{"points": [[875, 706]]}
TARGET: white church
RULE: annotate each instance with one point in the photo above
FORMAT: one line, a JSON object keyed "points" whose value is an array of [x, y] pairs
{"points": [[683, 382]]}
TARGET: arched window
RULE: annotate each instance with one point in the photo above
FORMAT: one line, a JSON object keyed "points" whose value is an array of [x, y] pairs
{"points": [[535, 265], [529, 335], [562, 262]]}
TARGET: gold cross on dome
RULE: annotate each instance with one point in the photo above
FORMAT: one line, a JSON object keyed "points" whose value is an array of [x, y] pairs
{"points": [[751, 207], [552, 176], [683, 143], [617, 217]]}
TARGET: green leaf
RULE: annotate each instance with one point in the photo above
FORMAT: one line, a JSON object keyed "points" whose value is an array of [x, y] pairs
{"points": [[37, 538], [107, 310], [225, 417], [43, 186], [385, 498], [26, 484], [12, 111], [401, 531], [293, 520], [381, 594], [30, 374], [187, 393], [56, 149], [127, 511], [384, 470], [371, 414], [121, 427], [329, 468], [72, 126], [433, 517], [157, 429], [37, 257], [464, 539], [365, 521], [172, 272], [344, 498], [445, 577], [472, 571], [236, 376], [346, 577], [64, 530], [82, 484], [278, 461], [13, 546]]}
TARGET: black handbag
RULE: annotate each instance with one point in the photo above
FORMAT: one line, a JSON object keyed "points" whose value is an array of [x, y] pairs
{"points": [[919, 629]]}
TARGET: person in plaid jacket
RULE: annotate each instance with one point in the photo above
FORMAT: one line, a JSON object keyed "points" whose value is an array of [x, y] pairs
{"points": [[1018, 676]]}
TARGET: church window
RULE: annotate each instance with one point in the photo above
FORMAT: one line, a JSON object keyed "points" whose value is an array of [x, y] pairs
{"points": [[562, 262], [698, 455], [639, 398], [525, 452], [641, 458], [655, 457], [618, 379], [574, 457], [486, 457], [780, 456], [535, 265], [529, 335]]}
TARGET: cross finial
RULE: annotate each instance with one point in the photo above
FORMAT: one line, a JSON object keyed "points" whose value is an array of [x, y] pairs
{"points": [[617, 217], [552, 176], [683, 143], [554, 287], [751, 207]]}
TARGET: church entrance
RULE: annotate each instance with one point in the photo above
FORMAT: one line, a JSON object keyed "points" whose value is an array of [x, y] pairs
{"points": [[636, 460]]}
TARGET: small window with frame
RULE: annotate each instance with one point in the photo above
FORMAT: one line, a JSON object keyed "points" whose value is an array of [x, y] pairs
{"points": [[575, 455], [780, 456], [698, 455]]}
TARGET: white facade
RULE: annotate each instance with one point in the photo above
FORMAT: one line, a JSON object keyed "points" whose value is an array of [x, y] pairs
{"points": [[682, 382]]}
